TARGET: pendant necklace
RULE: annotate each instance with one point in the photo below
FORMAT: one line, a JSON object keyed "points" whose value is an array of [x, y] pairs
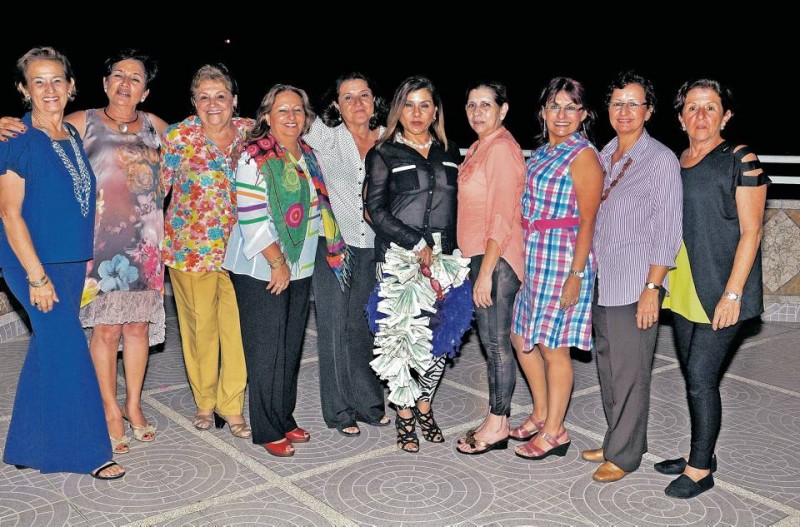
{"points": [[399, 137], [122, 125], [81, 178]]}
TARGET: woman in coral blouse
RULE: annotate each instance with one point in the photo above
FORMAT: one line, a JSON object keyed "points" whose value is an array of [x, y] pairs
{"points": [[489, 230]]}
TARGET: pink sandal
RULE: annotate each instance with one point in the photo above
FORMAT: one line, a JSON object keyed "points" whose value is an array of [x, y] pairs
{"points": [[530, 451], [521, 433]]}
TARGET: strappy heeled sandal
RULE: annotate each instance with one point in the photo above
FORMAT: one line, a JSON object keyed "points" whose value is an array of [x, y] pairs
{"points": [[430, 430], [531, 451], [120, 446], [406, 433], [521, 433], [240, 430], [145, 433], [203, 421]]}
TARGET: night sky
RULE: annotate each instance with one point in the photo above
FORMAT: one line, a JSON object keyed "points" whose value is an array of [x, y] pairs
{"points": [[764, 128]]}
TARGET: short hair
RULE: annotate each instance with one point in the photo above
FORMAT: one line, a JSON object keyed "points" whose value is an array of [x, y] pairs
{"points": [[497, 88], [414, 83], [576, 91], [725, 94], [261, 128], [625, 78], [215, 72], [42, 53], [332, 117], [150, 65]]}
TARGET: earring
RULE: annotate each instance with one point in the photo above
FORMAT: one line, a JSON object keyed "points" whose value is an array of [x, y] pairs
{"points": [[141, 100], [721, 128], [683, 127], [583, 126]]}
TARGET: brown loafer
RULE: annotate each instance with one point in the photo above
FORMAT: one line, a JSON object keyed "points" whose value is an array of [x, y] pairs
{"points": [[594, 455], [608, 472]]}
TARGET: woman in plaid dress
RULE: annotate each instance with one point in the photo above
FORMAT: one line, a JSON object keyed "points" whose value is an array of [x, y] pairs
{"points": [[552, 311]]}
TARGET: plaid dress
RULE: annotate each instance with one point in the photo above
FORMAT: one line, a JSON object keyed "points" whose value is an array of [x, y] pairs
{"points": [[548, 255]]}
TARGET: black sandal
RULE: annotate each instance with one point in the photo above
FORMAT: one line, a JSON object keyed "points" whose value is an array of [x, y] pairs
{"points": [[96, 473], [430, 430], [406, 435]]}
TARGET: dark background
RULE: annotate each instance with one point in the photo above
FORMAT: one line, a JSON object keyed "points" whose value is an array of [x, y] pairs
{"points": [[761, 118]]}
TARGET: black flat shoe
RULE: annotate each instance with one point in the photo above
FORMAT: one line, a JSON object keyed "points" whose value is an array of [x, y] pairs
{"points": [[673, 467], [481, 447], [96, 473], [341, 430], [684, 487]]}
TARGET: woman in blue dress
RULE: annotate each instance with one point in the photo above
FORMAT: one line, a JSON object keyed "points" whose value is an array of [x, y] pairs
{"points": [[47, 207]]}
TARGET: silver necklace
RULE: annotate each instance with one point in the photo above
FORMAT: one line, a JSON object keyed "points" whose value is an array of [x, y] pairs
{"points": [[122, 125], [399, 137]]}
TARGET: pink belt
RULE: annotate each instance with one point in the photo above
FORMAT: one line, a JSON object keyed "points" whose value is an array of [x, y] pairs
{"points": [[556, 223]]}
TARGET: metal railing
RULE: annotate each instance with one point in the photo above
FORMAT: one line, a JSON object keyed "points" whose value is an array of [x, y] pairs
{"points": [[768, 160]]}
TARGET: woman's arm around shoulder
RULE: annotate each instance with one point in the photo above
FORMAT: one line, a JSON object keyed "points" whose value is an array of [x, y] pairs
{"points": [[78, 120]]}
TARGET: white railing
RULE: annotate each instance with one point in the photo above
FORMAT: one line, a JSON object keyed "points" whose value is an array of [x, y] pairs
{"points": [[769, 160]]}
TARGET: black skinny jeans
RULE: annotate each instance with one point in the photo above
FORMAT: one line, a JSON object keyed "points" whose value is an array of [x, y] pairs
{"points": [[494, 330], [702, 352]]}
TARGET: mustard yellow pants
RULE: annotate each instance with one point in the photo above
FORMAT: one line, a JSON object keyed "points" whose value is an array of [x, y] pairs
{"points": [[212, 341]]}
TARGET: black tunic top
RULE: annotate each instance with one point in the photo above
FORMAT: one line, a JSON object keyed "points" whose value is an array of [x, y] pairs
{"points": [[711, 227], [409, 197]]}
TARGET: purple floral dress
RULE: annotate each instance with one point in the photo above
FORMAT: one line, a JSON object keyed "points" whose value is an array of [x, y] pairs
{"points": [[125, 281]]}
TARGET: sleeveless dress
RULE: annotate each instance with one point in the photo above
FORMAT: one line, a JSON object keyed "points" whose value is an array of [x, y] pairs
{"points": [[125, 281], [548, 255]]}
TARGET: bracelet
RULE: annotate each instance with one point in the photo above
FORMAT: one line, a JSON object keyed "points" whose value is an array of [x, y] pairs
{"points": [[732, 296], [277, 261], [41, 282]]}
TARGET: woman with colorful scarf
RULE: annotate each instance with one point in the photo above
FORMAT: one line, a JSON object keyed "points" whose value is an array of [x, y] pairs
{"points": [[283, 209]]}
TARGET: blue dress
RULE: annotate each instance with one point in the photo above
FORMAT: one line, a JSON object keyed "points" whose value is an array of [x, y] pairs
{"points": [[58, 423]]}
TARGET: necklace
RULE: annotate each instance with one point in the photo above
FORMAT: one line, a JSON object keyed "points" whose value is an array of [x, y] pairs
{"points": [[614, 182], [399, 137], [81, 181], [122, 125]]}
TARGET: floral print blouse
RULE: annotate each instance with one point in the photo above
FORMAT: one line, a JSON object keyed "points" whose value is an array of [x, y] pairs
{"points": [[201, 212]]}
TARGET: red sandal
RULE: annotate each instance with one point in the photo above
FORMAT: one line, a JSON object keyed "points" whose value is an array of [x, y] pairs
{"points": [[282, 448], [298, 435], [531, 451], [521, 433]]}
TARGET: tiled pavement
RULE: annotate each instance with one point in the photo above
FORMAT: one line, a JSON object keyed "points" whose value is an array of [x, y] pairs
{"points": [[186, 477]]}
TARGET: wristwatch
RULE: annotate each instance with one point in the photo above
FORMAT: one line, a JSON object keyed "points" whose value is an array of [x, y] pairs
{"points": [[732, 296], [579, 274], [652, 285]]}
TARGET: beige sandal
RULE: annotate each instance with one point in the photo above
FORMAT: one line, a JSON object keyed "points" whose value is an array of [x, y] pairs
{"points": [[120, 446], [240, 430], [203, 421], [145, 433]]}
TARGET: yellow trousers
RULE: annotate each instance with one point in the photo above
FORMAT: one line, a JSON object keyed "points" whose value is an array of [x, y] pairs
{"points": [[212, 341]]}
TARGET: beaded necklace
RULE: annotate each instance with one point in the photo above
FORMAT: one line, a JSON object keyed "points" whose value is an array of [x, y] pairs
{"points": [[613, 184], [81, 181], [399, 137]]}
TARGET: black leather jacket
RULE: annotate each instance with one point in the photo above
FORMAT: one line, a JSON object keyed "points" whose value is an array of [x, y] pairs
{"points": [[408, 197]]}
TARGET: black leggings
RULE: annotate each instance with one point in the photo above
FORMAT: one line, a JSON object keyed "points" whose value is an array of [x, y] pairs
{"points": [[702, 353]]}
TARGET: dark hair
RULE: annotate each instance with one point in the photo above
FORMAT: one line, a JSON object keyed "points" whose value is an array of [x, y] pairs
{"points": [[41, 53], [631, 77], [414, 83], [498, 88], [332, 117], [261, 128], [215, 72], [150, 65], [725, 94], [575, 90]]}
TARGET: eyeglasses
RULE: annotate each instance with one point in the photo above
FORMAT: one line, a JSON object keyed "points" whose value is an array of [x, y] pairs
{"points": [[569, 110], [632, 106]]}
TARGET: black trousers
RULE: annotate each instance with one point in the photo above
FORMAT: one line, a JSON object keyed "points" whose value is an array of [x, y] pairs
{"points": [[494, 330], [349, 389], [273, 327], [702, 353], [624, 363]]}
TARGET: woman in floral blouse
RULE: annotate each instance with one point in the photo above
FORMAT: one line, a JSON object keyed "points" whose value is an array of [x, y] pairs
{"points": [[199, 157]]}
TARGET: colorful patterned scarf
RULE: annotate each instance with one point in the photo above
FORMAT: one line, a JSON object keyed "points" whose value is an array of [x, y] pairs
{"points": [[289, 199]]}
